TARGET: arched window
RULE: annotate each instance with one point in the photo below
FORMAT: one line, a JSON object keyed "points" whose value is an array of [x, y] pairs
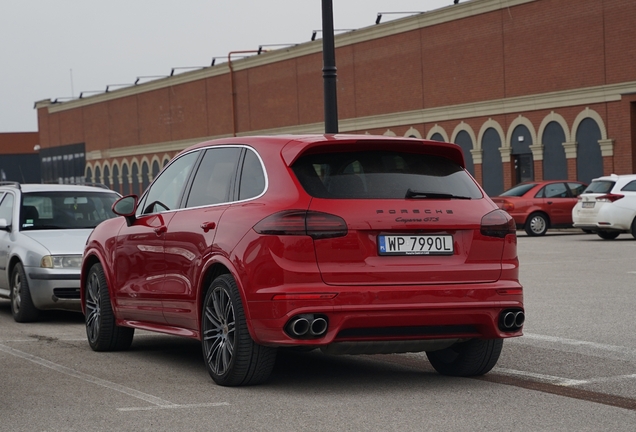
{"points": [[106, 176], [555, 166], [89, 175], [589, 160], [125, 180], [145, 179], [98, 174], [492, 166], [116, 183], [521, 140], [155, 169], [466, 143], [134, 180]]}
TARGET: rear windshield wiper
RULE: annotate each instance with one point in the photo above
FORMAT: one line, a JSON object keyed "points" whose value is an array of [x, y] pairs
{"points": [[423, 194]]}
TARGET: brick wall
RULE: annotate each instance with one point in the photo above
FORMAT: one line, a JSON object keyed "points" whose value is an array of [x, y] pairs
{"points": [[537, 47]]}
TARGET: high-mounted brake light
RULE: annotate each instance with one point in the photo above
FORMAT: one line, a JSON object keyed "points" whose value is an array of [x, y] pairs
{"points": [[498, 223], [609, 197], [317, 225]]}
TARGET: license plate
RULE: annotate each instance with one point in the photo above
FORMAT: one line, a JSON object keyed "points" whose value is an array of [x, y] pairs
{"points": [[588, 204], [415, 244]]}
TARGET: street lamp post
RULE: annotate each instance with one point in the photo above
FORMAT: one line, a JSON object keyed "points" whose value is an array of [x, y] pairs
{"points": [[329, 68]]}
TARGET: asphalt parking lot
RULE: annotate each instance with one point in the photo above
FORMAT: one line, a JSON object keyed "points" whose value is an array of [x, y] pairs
{"points": [[575, 368]]}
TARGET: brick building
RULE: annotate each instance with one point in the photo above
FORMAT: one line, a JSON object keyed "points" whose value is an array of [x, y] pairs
{"points": [[530, 89], [19, 160]]}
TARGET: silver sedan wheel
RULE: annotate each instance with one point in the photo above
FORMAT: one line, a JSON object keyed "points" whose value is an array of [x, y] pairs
{"points": [[16, 289], [219, 325], [537, 225]]}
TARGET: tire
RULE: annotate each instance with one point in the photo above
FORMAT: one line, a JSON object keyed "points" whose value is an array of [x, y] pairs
{"points": [[608, 235], [634, 228], [471, 358], [22, 307], [536, 224], [102, 332], [231, 356]]}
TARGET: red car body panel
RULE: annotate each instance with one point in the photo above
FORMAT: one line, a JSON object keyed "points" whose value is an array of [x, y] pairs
{"points": [[558, 209], [158, 267]]}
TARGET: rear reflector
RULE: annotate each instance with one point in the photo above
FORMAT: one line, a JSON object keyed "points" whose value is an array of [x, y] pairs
{"points": [[323, 296], [299, 222], [609, 197], [510, 291], [498, 223]]}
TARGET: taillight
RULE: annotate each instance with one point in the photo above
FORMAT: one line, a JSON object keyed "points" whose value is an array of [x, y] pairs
{"points": [[498, 223], [609, 197], [299, 222], [508, 206]]}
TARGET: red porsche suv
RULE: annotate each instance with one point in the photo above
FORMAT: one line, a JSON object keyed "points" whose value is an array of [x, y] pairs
{"points": [[351, 244]]}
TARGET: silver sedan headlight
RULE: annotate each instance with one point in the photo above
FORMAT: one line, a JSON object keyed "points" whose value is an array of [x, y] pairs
{"points": [[61, 261]]}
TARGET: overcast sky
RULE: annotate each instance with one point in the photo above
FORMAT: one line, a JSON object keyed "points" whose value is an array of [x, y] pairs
{"points": [[58, 48]]}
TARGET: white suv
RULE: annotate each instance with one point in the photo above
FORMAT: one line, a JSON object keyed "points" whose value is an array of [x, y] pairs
{"points": [[43, 230], [608, 206]]}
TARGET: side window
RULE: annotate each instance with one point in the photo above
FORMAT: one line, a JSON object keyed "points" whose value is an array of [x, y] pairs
{"points": [[6, 208], [252, 181], [215, 177], [578, 188], [165, 192], [556, 190], [630, 187]]}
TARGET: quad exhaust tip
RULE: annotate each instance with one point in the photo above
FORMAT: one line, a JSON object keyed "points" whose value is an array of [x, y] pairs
{"points": [[307, 326], [511, 320]]}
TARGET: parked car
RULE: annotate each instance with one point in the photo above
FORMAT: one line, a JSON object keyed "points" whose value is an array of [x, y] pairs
{"points": [[608, 206], [351, 244], [43, 231], [540, 205]]}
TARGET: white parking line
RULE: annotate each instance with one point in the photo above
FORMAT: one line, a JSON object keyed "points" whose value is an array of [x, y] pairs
{"points": [[158, 402], [565, 382], [577, 346], [545, 378], [203, 405]]}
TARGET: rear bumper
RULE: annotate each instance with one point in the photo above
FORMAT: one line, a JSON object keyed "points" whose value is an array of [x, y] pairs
{"points": [[393, 314]]}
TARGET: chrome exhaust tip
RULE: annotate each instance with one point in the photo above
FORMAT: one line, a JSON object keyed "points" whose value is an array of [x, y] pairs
{"points": [[520, 318], [299, 326], [318, 327], [511, 320], [307, 326]]}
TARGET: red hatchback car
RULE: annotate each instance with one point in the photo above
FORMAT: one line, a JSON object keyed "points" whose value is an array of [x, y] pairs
{"points": [[538, 206], [351, 244]]}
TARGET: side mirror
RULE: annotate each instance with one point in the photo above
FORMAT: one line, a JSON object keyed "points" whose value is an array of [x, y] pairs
{"points": [[126, 207], [4, 226]]}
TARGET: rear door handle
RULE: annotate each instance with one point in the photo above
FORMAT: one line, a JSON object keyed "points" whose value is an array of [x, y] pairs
{"points": [[207, 226], [161, 230]]}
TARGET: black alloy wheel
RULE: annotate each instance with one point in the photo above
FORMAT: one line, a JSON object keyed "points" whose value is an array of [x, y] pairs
{"points": [[102, 332], [231, 356]]}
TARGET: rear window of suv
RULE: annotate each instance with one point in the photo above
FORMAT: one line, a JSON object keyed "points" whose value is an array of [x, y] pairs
{"points": [[600, 186], [382, 175]]}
